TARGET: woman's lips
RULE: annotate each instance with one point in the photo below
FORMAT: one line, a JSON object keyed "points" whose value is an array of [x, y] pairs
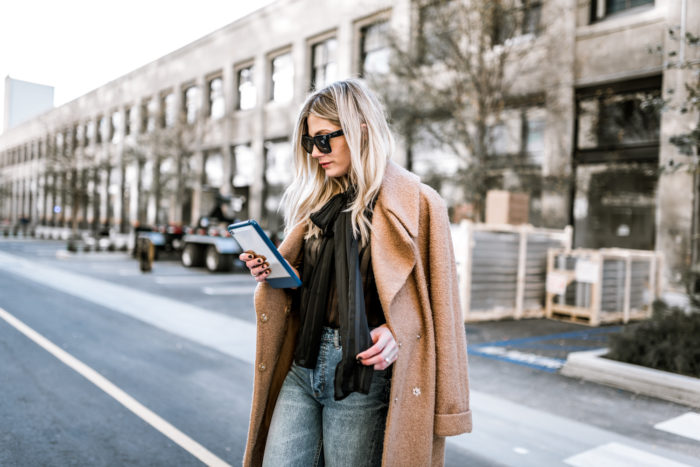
{"points": [[325, 164]]}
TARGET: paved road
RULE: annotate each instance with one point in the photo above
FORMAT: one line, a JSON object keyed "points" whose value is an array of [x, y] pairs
{"points": [[179, 343]]}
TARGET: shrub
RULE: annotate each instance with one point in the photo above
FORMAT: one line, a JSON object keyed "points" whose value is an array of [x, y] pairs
{"points": [[669, 341]]}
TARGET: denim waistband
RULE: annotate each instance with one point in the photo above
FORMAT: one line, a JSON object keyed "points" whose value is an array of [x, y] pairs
{"points": [[331, 335]]}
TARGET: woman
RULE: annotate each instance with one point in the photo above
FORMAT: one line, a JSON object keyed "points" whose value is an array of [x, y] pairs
{"points": [[364, 364]]}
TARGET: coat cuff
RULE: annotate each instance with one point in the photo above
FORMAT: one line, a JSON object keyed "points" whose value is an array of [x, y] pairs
{"points": [[453, 424]]}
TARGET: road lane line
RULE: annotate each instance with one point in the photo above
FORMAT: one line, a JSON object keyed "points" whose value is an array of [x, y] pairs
{"points": [[229, 290], [178, 437], [687, 425]]}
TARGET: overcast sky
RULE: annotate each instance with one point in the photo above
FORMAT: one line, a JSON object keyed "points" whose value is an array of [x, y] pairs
{"points": [[78, 45]]}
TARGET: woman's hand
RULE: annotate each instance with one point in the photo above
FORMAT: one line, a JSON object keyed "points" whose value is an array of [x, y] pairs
{"points": [[384, 351], [257, 264]]}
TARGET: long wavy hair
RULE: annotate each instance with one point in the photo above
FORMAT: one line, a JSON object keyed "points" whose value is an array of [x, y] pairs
{"points": [[350, 105]]}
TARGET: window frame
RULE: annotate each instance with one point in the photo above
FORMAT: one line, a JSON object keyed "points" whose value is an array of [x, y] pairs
{"points": [[237, 69], [360, 26], [271, 72], [311, 45]]}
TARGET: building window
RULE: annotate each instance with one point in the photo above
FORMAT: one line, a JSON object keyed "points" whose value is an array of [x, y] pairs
{"points": [[519, 136], [169, 110], [244, 166], [90, 132], [509, 22], [216, 98], [534, 140], [116, 126], [620, 121], [193, 101], [214, 170], [603, 8], [436, 30], [282, 88], [324, 64], [150, 114], [246, 88], [374, 48], [132, 121]]}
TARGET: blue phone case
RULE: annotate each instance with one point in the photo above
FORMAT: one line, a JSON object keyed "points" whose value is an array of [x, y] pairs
{"points": [[285, 276]]}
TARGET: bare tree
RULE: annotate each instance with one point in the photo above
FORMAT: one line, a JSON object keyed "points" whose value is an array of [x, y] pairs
{"points": [[452, 80]]}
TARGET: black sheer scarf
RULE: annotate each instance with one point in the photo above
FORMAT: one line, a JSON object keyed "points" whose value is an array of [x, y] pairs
{"points": [[339, 250]]}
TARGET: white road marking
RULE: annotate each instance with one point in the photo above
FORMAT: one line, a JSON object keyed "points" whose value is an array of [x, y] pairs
{"points": [[229, 335], [150, 417], [229, 290], [687, 425], [619, 455], [202, 280]]}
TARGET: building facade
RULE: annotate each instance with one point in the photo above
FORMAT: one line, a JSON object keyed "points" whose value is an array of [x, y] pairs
{"points": [[214, 119]]}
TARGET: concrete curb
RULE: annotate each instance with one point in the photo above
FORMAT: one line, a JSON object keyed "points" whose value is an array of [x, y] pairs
{"points": [[591, 366]]}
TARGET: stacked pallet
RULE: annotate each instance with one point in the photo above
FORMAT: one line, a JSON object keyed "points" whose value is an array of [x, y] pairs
{"points": [[502, 269], [594, 287]]}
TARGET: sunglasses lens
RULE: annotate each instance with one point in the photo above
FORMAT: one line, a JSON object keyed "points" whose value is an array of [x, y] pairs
{"points": [[307, 143], [323, 144]]}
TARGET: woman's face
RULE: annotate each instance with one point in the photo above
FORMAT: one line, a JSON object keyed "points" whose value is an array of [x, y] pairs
{"points": [[337, 162]]}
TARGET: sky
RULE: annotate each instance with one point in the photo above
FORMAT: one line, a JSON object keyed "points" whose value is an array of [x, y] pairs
{"points": [[79, 45]]}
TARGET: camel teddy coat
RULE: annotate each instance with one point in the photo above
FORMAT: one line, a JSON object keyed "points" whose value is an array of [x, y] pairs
{"points": [[415, 274]]}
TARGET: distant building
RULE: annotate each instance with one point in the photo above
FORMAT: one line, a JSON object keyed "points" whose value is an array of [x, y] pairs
{"points": [[23, 101], [213, 118]]}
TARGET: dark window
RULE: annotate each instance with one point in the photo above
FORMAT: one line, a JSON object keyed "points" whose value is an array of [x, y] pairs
{"points": [[374, 48], [436, 31], [621, 120], [614, 6], [603, 8], [324, 64], [509, 21]]}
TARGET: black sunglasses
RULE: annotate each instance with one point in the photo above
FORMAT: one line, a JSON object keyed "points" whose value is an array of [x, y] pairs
{"points": [[323, 142]]}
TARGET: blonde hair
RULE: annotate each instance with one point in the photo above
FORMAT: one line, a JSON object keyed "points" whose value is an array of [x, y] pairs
{"points": [[350, 105]]}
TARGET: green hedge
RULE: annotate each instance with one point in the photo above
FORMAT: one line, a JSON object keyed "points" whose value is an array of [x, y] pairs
{"points": [[669, 341]]}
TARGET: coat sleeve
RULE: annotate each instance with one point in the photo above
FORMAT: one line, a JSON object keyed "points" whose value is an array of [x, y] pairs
{"points": [[452, 413]]}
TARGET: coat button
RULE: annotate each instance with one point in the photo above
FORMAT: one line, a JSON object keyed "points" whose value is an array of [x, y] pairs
{"points": [[416, 391], [261, 367], [264, 317], [399, 344], [417, 336]]}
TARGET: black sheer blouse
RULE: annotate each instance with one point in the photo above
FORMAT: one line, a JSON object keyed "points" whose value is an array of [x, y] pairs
{"points": [[373, 308]]}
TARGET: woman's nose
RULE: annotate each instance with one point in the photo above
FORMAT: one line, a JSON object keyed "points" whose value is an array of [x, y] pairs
{"points": [[316, 152]]}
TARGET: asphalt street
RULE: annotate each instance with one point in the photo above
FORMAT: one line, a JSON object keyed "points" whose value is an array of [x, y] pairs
{"points": [[179, 341]]}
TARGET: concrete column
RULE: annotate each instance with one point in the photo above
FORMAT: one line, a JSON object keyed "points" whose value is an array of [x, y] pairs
{"points": [[676, 191], [198, 162], [559, 19], [262, 85]]}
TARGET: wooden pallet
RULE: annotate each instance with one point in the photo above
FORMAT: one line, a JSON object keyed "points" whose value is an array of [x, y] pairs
{"points": [[608, 285], [501, 269]]}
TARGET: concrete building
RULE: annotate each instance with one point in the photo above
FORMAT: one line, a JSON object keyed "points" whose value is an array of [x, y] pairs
{"points": [[214, 118], [24, 100]]}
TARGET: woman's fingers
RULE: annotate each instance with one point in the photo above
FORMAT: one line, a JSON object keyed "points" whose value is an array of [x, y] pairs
{"points": [[257, 264], [384, 351]]}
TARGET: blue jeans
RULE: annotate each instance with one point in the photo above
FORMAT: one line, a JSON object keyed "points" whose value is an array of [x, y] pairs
{"points": [[310, 428]]}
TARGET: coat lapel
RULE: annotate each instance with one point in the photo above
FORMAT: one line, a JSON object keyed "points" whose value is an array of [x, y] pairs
{"points": [[394, 229]]}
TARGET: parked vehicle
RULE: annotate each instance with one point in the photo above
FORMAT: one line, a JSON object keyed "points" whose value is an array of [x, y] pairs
{"points": [[210, 245]]}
